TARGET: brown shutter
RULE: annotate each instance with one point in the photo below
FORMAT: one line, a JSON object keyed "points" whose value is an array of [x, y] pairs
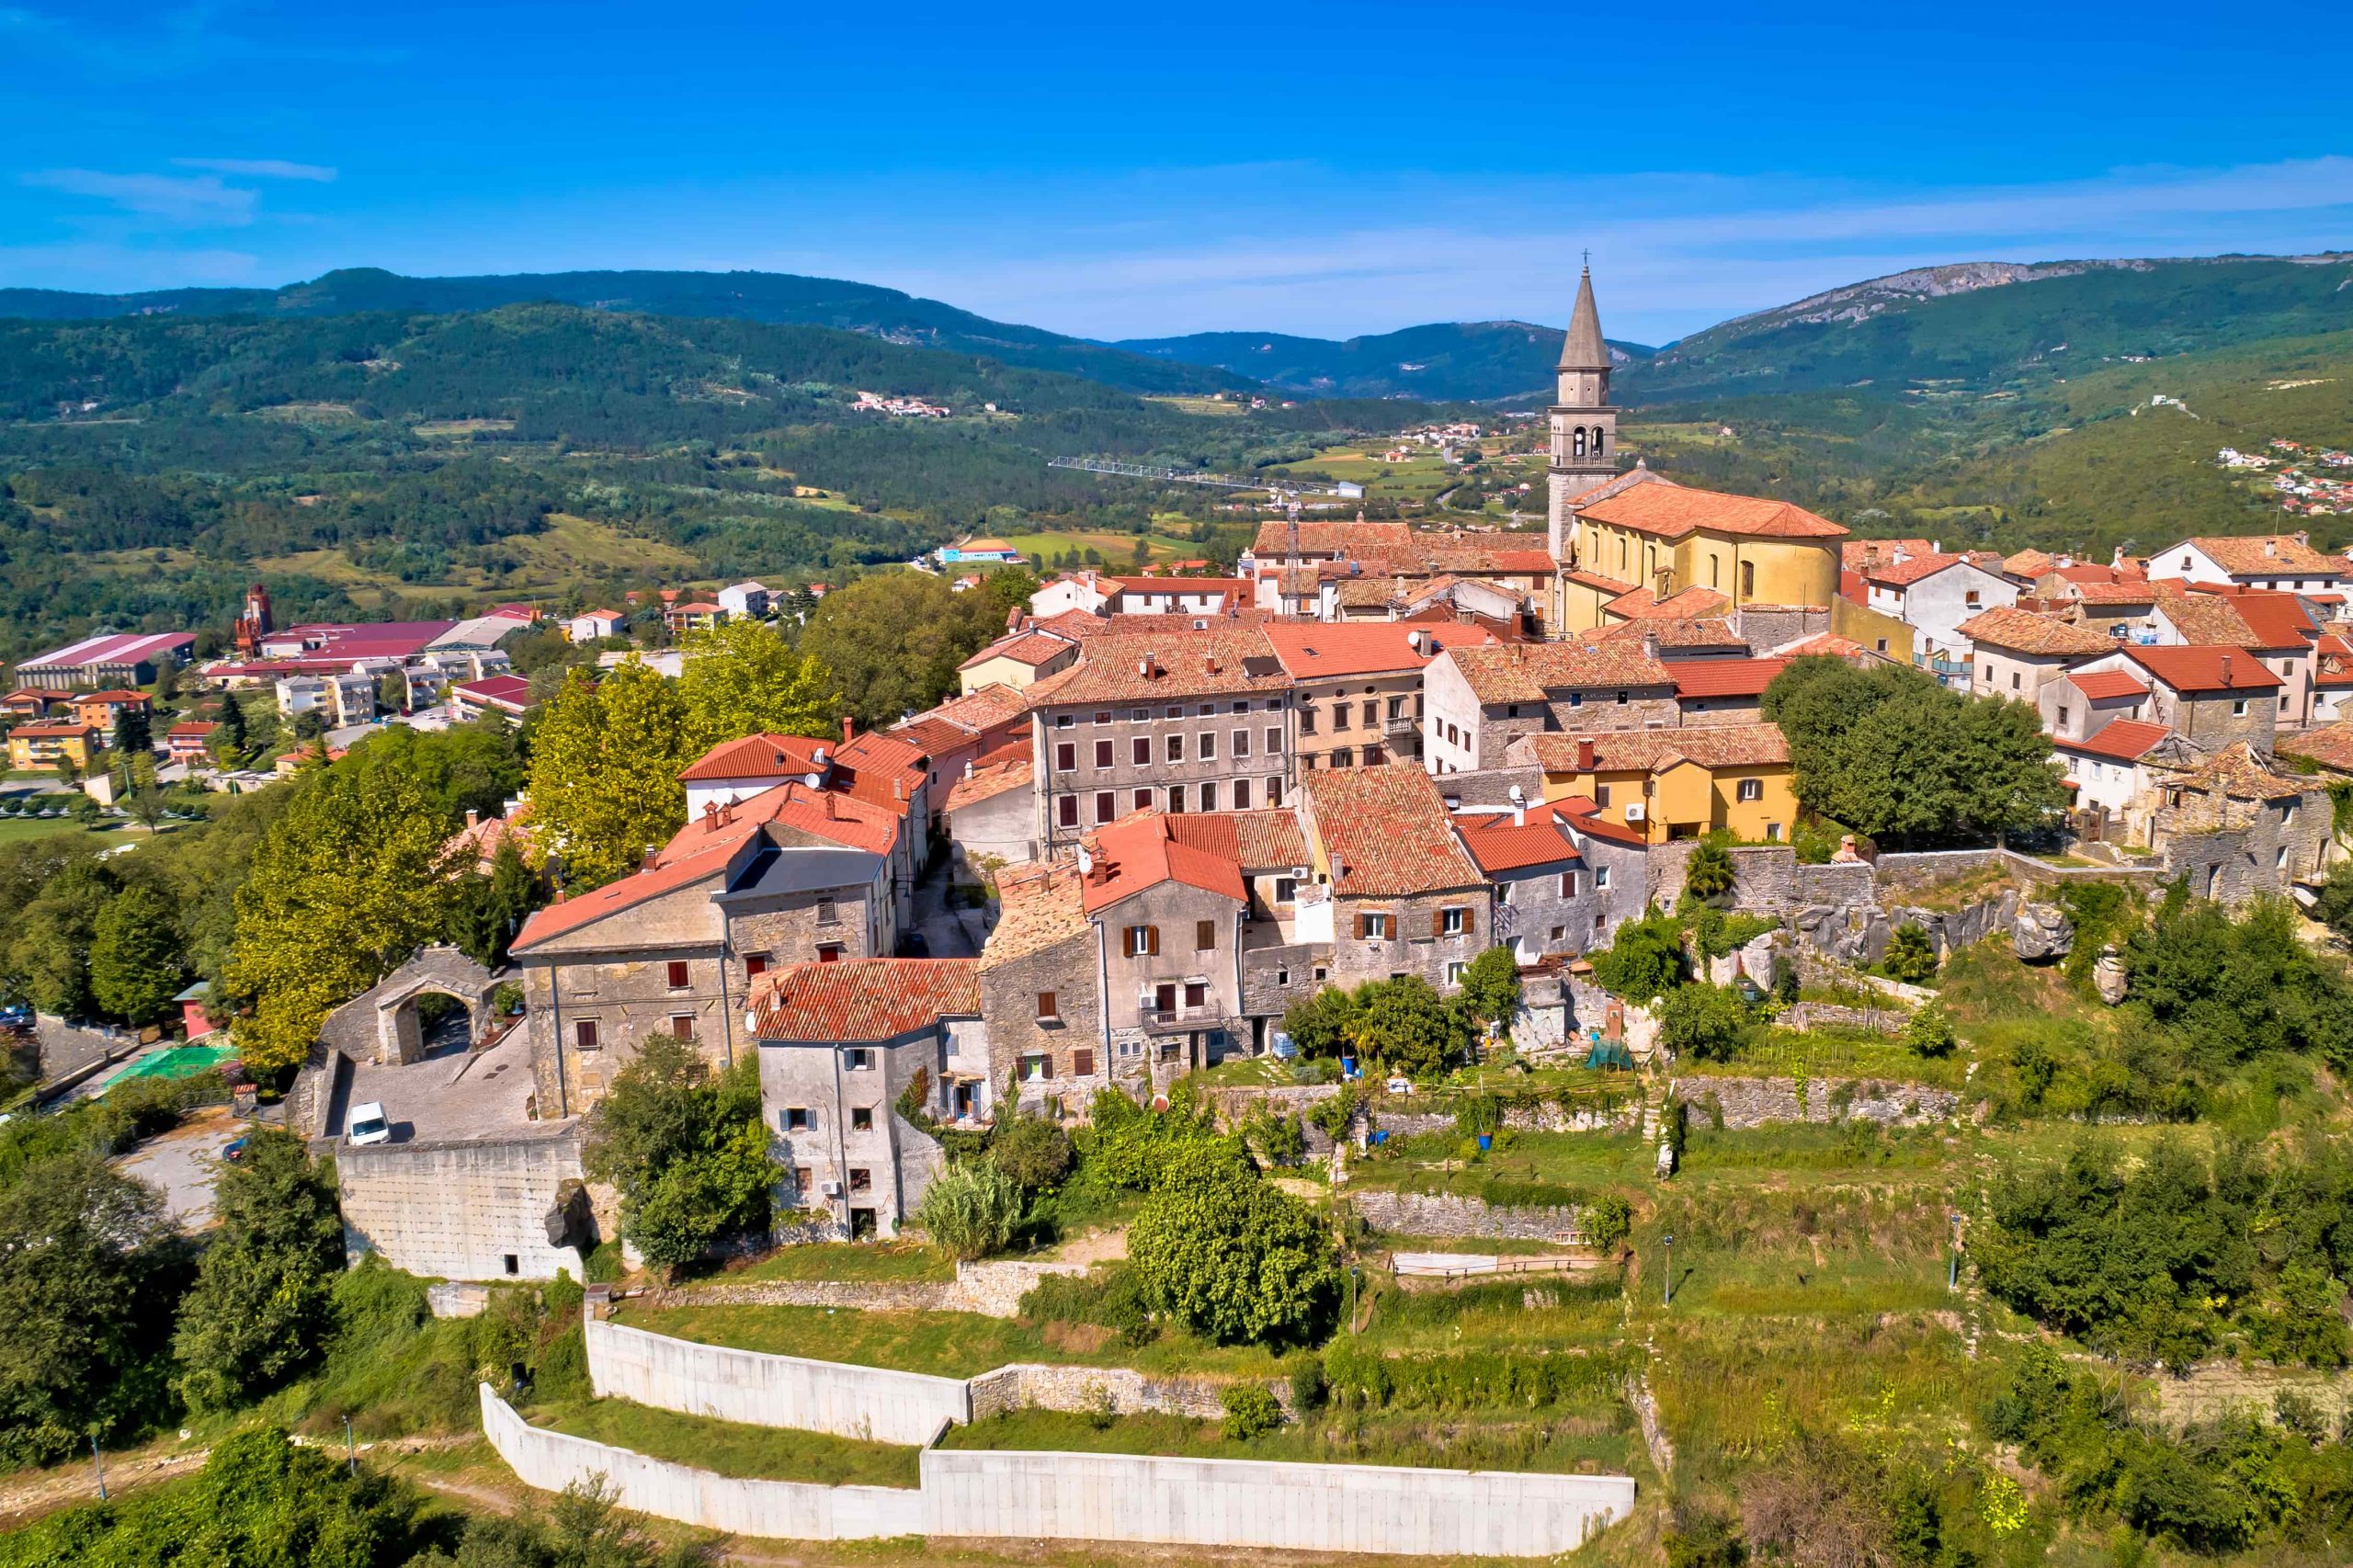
{"points": [[1204, 935], [1360, 925], [1046, 1008], [1152, 937], [1081, 1063], [1438, 922]]}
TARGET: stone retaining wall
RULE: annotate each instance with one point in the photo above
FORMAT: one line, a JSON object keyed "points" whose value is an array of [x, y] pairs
{"points": [[1816, 1015], [1448, 1215], [1122, 1497], [992, 1289], [1762, 1102], [1121, 1391]]}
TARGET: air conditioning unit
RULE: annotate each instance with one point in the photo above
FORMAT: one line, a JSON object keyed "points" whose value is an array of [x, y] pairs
{"points": [[831, 1189], [1634, 813]]}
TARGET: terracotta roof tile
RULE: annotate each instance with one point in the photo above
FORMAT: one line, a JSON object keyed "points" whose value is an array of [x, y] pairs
{"points": [[1707, 631], [1319, 650], [1690, 604], [2331, 746], [1331, 536], [1497, 845], [2206, 621], [2130, 591], [1139, 852], [986, 781], [758, 756], [2120, 740], [1251, 840], [1526, 671], [1670, 511], [1649, 751], [1389, 829], [2237, 772], [2260, 554], [1031, 648], [1912, 569], [863, 999], [1861, 554], [2276, 620], [1155, 666], [2106, 685], [1037, 909], [2026, 633], [2204, 668], [1725, 677]]}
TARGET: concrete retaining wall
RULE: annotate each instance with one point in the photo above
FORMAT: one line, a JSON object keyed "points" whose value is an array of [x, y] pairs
{"points": [[776, 1510], [1300, 1507], [462, 1211], [870, 1402], [1124, 1497], [1437, 1214]]}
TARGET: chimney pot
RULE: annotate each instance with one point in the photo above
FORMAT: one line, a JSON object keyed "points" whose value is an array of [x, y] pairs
{"points": [[850, 729], [651, 855], [473, 818], [1584, 757]]}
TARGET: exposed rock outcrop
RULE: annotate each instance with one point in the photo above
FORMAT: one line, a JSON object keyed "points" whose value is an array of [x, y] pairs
{"points": [[2043, 932]]}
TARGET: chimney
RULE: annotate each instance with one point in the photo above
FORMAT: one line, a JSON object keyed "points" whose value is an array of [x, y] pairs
{"points": [[831, 813], [850, 729], [817, 759], [474, 819], [709, 813], [2226, 669], [968, 769], [1414, 640], [1650, 645], [898, 789], [1519, 806], [1936, 547], [1209, 664], [1585, 756], [651, 855]]}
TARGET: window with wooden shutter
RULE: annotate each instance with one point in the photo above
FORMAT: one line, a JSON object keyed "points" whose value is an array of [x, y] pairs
{"points": [[1363, 928], [679, 976], [1049, 1007], [1204, 936], [1438, 922], [1152, 940], [1082, 1062]]}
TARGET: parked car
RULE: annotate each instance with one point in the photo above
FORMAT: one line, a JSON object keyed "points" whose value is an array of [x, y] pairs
{"points": [[367, 1125]]}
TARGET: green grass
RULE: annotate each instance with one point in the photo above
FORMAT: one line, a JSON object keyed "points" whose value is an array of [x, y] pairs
{"points": [[1597, 1440], [1117, 550], [865, 1261], [945, 1345], [1833, 1054], [731, 1449], [16, 830]]}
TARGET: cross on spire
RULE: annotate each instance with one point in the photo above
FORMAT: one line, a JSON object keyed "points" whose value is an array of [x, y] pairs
{"points": [[1587, 257]]}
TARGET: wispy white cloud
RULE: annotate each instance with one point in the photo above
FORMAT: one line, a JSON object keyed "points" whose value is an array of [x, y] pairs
{"points": [[194, 199], [259, 168]]}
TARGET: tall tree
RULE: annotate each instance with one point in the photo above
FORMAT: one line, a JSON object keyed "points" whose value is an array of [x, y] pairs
{"points": [[685, 1149], [345, 886], [605, 762], [135, 964], [743, 679], [1230, 1257], [893, 640], [133, 733], [48, 956], [489, 907], [260, 1309]]}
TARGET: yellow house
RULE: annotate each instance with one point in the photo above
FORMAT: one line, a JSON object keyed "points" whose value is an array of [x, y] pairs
{"points": [[36, 748], [1667, 539], [1017, 660], [1667, 784]]}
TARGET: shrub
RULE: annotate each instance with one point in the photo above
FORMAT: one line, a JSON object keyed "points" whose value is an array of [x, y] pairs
{"points": [[1251, 1410], [1709, 874], [1306, 1384], [1333, 1115], [970, 1209], [1108, 1297], [1230, 1257], [1032, 1151], [1278, 1140], [1709, 1023], [1609, 1220], [1911, 956], [1644, 959], [1929, 1031]]}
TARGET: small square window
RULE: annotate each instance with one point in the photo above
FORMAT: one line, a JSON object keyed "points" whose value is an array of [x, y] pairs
{"points": [[1751, 789], [795, 1118], [681, 976], [858, 1059], [861, 1179], [1600, 877], [861, 1118], [682, 1026], [1050, 1007], [1455, 969], [514, 1263]]}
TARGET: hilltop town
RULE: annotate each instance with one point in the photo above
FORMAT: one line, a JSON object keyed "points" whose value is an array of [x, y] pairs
{"points": [[1546, 1042]]}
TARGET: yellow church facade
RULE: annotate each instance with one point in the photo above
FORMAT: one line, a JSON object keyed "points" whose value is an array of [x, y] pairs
{"points": [[1661, 539]]}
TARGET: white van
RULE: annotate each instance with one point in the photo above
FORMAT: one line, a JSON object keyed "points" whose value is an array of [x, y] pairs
{"points": [[367, 1125]]}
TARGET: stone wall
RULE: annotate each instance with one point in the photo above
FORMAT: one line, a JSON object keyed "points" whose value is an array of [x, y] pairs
{"points": [[1763, 1102], [1010, 987], [465, 1210], [776, 1510], [1438, 1214], [871, 1404], [1275, 977], [1818, 1015], [1119, 1390], [1090, 1497]]}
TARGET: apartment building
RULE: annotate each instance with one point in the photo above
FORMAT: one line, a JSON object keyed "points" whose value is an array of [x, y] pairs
{"points": [[1480, 699], [1357, 687]]}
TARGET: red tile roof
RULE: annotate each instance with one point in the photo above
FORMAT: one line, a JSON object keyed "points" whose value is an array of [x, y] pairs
{"points": [[1596, 580], [1619, 751], [1155, 666], [1725, 677], [194, 728], [2103, 685], [2204, 668], [2331, 746], [989, 779], [1587, 814], [1320, 650], [1138, 852], [2262, 554], [2130, 591], [1526, 671], [1912, 569], [626, 893], [53, 731], [1388, 828], [1690, 604], [2122, 740], [2026, 633], [1253, 840], [1670, 511], [1031, 648], [2277, 619], [1332, 537], [863, 999], [1499, 845], [758, 756], [881, 768]]}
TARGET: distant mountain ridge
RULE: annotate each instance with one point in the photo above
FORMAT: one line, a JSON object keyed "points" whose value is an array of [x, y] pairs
{"points": [[1440, 362], [774, 298]]}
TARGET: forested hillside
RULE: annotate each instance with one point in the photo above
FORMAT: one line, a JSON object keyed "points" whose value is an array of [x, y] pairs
{"points": [[1477, 360], [778, 298], [152, 465]]}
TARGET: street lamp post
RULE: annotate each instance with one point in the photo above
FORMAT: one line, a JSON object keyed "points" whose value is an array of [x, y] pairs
{"points": [[1666, 1286]]}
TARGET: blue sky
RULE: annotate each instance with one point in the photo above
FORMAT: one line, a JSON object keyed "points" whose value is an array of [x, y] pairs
{"points": [[1143, 171]]}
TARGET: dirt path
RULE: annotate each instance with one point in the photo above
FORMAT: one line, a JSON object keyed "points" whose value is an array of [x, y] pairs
{"points": [[29, 1495]]}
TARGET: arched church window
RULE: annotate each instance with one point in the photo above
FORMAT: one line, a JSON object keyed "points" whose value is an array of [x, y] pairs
{"points": [[1747, 580], [1596, 440], [1578, 442]]}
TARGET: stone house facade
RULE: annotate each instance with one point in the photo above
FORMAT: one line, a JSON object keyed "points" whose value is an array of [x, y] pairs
{"points": [[2206, 695], [1563, 884], [1406, 898], [1479, 700], [2014, 652]]}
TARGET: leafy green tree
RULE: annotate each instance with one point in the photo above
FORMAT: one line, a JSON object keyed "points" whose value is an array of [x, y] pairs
{"points": [[1709, 1023], [344, 887], [1230, 1257], [892, 640], [1318, 1022], [133, 735], [49, 955], [1911, 956], [144, 805], [1607, 1222], [89, 1264], [487, 909], [969, 1209], [1032, 1151], [1709, 874], [605, 762], [2332, 907], [2236, 988], [1644, 959], [261, 1307], [685, 1149], [1490, 986], [1406, 1026], [135, 966], [742, 679], [475, 767]]}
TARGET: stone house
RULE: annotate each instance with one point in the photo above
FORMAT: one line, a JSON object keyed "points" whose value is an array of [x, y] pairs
{"points": [[1722, 691], [2080, 704], [2106, 768], [2014, 652], [1180, 721], [2237, 827], [2280, 630], [1562, 880], [839, 1045], [1406, 896], [1671, 784], [1481, 699], [1357, 692], [787, 876], [1934, 594], [1168, 920], [1041, 990], [2284, 562], [2208, 696]]}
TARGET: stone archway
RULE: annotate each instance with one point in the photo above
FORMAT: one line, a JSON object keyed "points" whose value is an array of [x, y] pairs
{"points": [[382, 1022]]}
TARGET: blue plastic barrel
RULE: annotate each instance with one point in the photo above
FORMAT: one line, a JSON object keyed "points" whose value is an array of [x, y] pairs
{"points": [[1486, 1142]]}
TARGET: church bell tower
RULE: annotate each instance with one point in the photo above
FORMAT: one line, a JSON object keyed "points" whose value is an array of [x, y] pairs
{"points": [[1585, 425]]}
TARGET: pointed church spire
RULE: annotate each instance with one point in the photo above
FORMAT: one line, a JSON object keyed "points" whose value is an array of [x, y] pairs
{"points": [[1585, 350]]}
